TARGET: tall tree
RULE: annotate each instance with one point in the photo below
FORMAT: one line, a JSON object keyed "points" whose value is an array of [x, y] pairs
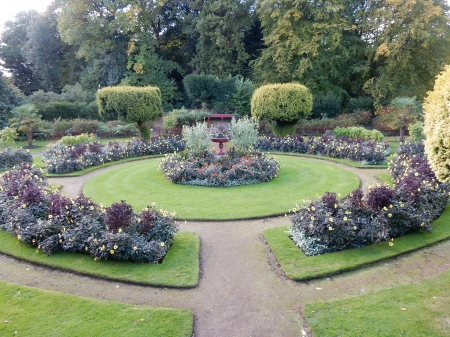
{"points": [[221, 27], [95, 28], [313, 42], [409, 42], [13, 39], [8, 100], [44, 50]]}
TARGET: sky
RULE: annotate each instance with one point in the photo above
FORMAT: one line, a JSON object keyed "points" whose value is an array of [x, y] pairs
{"points": [[9, 8]]}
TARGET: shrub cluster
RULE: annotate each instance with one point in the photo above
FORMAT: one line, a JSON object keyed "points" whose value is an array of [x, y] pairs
{"points": [[53, 223], [60, 158], [359, 132], [315, 126], [235, 168], [417, 198], [358, 150], [10, 158]]}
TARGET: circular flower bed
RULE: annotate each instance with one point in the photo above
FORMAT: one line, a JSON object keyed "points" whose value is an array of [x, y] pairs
{"points": [[206, 169]]}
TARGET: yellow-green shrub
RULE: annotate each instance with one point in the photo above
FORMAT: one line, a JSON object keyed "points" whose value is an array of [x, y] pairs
{"points": [[283, 103], [132, 104], [437, 125]]}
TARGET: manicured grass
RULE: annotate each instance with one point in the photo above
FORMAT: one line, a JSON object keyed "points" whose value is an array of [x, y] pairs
{"points": [[300, 267], [425, 303], [385, 178], [27, 311], [141, 183], [180, 267], [41, 143], [335, 160]]}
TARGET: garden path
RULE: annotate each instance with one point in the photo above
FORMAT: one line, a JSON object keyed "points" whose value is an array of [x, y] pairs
{"points": [[242, 291]]}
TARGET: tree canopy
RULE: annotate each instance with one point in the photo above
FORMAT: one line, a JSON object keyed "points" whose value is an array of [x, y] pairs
{"points": [[351, 50]]}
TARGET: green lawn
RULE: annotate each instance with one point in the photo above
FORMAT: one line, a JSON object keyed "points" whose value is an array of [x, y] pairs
{"points": [[141, 183], [300, 267], [180, 267], [416, 310], [27, 311]]}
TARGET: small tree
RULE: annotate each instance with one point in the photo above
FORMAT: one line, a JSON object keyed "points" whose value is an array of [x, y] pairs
{"points": [[283, 103], [398, 115], [437, 125], [7, 137], [132, 104], [244, 133], [26, 119]]}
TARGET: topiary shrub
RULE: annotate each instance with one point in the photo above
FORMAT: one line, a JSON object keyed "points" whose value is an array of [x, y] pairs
{"points": [[436, 125], [283, 103], [133, 104]]}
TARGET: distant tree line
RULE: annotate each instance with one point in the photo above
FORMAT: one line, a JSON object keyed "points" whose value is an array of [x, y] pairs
{"points": [[348, 53]]}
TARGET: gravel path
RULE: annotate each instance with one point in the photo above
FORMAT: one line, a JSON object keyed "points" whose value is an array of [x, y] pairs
{"points": [[242, 291]]}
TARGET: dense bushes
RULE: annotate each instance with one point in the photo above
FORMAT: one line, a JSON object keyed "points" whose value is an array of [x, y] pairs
{"points": [[328, 224], [358, 150], [53, 223], [179, 118], [60, 158], [10, 158], [437, 124], [235, 168], [359, 132], [66, 110]]}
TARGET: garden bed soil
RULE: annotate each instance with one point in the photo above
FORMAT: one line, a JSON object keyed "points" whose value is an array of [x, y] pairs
{"points": [[242, 290]]}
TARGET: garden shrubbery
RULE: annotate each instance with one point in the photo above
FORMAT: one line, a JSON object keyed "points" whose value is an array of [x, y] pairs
{"points": [[235, 168], [359, 132], [53, 223], [417, 198], [241, 165], [358, 150], [314, 126], [60, 158], [10, 158]]}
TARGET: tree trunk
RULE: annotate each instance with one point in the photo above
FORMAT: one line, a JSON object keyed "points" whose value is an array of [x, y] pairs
{"points": [[402, 134], [30, 137], [139, 127]]}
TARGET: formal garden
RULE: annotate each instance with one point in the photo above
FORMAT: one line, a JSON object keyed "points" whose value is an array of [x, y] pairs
{"points": [[125, 225]]}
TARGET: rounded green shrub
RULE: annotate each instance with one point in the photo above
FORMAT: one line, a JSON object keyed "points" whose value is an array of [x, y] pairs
{"points": [[359, 132], [436, 125], [283, 103], [132, 104]]}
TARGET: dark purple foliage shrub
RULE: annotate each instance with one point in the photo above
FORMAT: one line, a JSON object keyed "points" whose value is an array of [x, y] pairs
{"points": [[118, 216], [379, 197], [417, 199]]}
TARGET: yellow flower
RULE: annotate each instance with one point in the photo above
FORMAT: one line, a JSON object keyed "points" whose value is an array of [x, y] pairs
{"points": [[50, 216], [111, 251], [120, 230], [330, 219], [19, 236], [390, 215], [102, 248], [391, 243], [162, 244], [60, 240], [355, 228], [115, 247], [345, 218], [330, 228], [313, 208], [385, 208], [312, 218], [134, 248], [422, 224]]}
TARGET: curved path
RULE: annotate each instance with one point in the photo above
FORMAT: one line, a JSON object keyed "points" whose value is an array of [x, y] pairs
{"points": [[242, 291]]}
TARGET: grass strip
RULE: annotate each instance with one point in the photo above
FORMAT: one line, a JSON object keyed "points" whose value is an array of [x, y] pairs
{"points": [[141, 183], [180, 267], [335, 160], [27, 311], [416, 310], [299, 267]]}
